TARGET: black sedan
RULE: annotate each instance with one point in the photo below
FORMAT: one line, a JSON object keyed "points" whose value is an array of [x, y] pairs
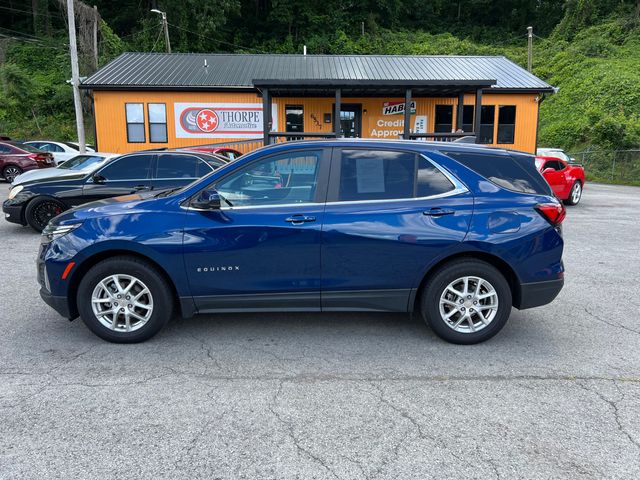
{"points": [[35, 202]]}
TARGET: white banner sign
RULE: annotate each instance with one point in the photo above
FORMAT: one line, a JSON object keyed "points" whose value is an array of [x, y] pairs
{"points": [[221, 120]]}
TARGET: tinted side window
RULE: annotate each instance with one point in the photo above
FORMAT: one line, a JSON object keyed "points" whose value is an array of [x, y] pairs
{"points": [[376, 175], [517, 172], [4, 149], [430, 180], [173, 165], [279, 180], [131, 167]]}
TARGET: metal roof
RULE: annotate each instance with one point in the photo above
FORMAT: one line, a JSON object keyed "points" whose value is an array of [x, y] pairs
{"points": [[226, 71]]}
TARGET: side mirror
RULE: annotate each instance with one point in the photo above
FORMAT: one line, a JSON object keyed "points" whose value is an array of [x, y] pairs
{"points": [[548, 170], [206, 200], [97, 178]]}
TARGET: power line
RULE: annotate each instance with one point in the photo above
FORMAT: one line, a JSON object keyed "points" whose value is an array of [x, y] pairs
{"points": [[218, 41], [28, 12]]}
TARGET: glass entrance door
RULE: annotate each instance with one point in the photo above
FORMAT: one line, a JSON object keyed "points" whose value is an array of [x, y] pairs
{"points": [[351, 120]]}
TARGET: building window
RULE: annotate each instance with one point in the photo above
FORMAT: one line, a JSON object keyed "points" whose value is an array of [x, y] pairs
{"points": [[444, 118], [135, 122], [506, 123], [157, 122], [487, 120], [467, 118]]}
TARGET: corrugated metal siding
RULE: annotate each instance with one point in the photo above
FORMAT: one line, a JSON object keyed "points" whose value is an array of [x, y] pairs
{"points": [[111, 124], [229, 70]]}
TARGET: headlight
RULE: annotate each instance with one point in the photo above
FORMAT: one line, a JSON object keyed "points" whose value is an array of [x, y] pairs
{"points": [[53, 232], [15, 191]]}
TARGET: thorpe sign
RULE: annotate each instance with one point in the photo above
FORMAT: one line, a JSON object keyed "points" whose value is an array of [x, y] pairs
{"points": [[221, 120]]}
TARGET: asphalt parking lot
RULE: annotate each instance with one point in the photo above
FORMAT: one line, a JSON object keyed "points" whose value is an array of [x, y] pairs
{"points": [[350, 396]]}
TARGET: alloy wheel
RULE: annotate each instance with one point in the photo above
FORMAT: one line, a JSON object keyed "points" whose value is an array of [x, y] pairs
{"points": [[10, 173], [122, 303], [468, 304], [576, 193], [45, 211]]}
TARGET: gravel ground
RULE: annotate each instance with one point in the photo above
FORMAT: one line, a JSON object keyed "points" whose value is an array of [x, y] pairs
{"points": [[347, 396]]}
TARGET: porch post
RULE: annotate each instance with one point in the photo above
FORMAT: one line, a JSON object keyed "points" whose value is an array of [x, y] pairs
{"points": [[266, 115], [407, 114], [336, 113], [460, 114], [477, 114]]}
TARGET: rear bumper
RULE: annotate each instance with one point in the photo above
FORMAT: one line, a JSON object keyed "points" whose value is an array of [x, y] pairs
{"points": [[59, 304], [538, 293], [13, 213]]}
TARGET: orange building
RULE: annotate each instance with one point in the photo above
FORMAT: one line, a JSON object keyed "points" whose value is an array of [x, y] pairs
{"points": [[144, 101]]}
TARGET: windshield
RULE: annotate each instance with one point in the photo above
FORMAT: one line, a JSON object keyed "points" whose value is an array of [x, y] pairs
{"points": [[81, 162]]}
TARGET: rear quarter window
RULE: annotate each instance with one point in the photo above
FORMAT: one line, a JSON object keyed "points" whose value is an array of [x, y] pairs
{"points": [[514, 171]]}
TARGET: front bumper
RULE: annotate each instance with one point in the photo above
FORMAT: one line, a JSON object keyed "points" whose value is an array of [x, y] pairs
{"points": [[538, 293], [59, 304], [13, 213]]}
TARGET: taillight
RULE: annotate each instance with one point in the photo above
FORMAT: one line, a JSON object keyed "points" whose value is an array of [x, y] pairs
{"points": [[553, 212]]}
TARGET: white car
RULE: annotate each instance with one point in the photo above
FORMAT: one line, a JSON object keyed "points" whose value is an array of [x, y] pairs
{"points": [[554, 153], [75, 165], [61, 151]]}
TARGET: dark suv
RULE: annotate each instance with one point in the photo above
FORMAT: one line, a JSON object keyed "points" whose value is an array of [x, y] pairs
{"points": [[459, 233], [16, 158], [35, 202]]}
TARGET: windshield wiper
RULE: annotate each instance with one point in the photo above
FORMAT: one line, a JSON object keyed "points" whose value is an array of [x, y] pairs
{"points": [[167, 192]]}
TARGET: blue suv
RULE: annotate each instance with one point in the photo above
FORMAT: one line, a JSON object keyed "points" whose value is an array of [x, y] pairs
{"points": [[459, 233]]}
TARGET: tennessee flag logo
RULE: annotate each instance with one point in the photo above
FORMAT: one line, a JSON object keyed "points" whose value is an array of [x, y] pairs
{"points": [[207, 120]]}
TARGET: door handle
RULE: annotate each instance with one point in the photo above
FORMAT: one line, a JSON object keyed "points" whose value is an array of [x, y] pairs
{"points": [[438, 212], [299, 219], [137, 188]]}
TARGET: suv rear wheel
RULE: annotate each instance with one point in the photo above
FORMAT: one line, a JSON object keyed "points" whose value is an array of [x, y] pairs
{"points": [[466, 301], [124, 300]]}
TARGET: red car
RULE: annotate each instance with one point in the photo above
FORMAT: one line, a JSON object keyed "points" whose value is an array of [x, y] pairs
{"points": [[16, 158], [566, 180], [229, 153]]}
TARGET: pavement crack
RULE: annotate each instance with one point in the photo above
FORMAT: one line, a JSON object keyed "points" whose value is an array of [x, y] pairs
{"points": [[614, 410], [611, 324], [290, 431]]}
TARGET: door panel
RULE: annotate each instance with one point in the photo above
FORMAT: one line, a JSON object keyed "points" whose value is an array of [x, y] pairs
{"points": [[263, 252], [375, 251], [126, 175]]}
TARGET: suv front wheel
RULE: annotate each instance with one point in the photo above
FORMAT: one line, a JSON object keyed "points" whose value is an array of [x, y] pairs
{"points": [[466, 301], [124, 300]]}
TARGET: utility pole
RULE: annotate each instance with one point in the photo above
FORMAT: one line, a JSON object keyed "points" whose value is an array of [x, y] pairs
{"points": [[165, 25], [530, 48], [95, 37], [75, 75]]}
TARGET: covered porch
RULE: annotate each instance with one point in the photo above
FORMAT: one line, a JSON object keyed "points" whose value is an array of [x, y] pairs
{"points": [[344, 115]]}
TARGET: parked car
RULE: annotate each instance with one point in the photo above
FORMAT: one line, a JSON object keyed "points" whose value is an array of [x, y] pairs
{"points": [[35, 202], [16, 158], [457, 232], [555, 153], [229, 153], [61, 151], [85, 162], [566, 180]]}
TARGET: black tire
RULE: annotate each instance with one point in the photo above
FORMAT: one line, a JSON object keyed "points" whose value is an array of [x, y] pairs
{"points": [[161, 293], [450, 272], [10, 172], [40, 210], [572, 200]]}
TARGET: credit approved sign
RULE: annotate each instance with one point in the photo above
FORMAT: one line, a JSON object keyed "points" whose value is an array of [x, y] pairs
{"points": [[221, 120]]}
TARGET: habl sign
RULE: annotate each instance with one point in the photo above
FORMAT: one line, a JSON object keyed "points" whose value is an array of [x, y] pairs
{"points": [[395, 108], [221, 120]]}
